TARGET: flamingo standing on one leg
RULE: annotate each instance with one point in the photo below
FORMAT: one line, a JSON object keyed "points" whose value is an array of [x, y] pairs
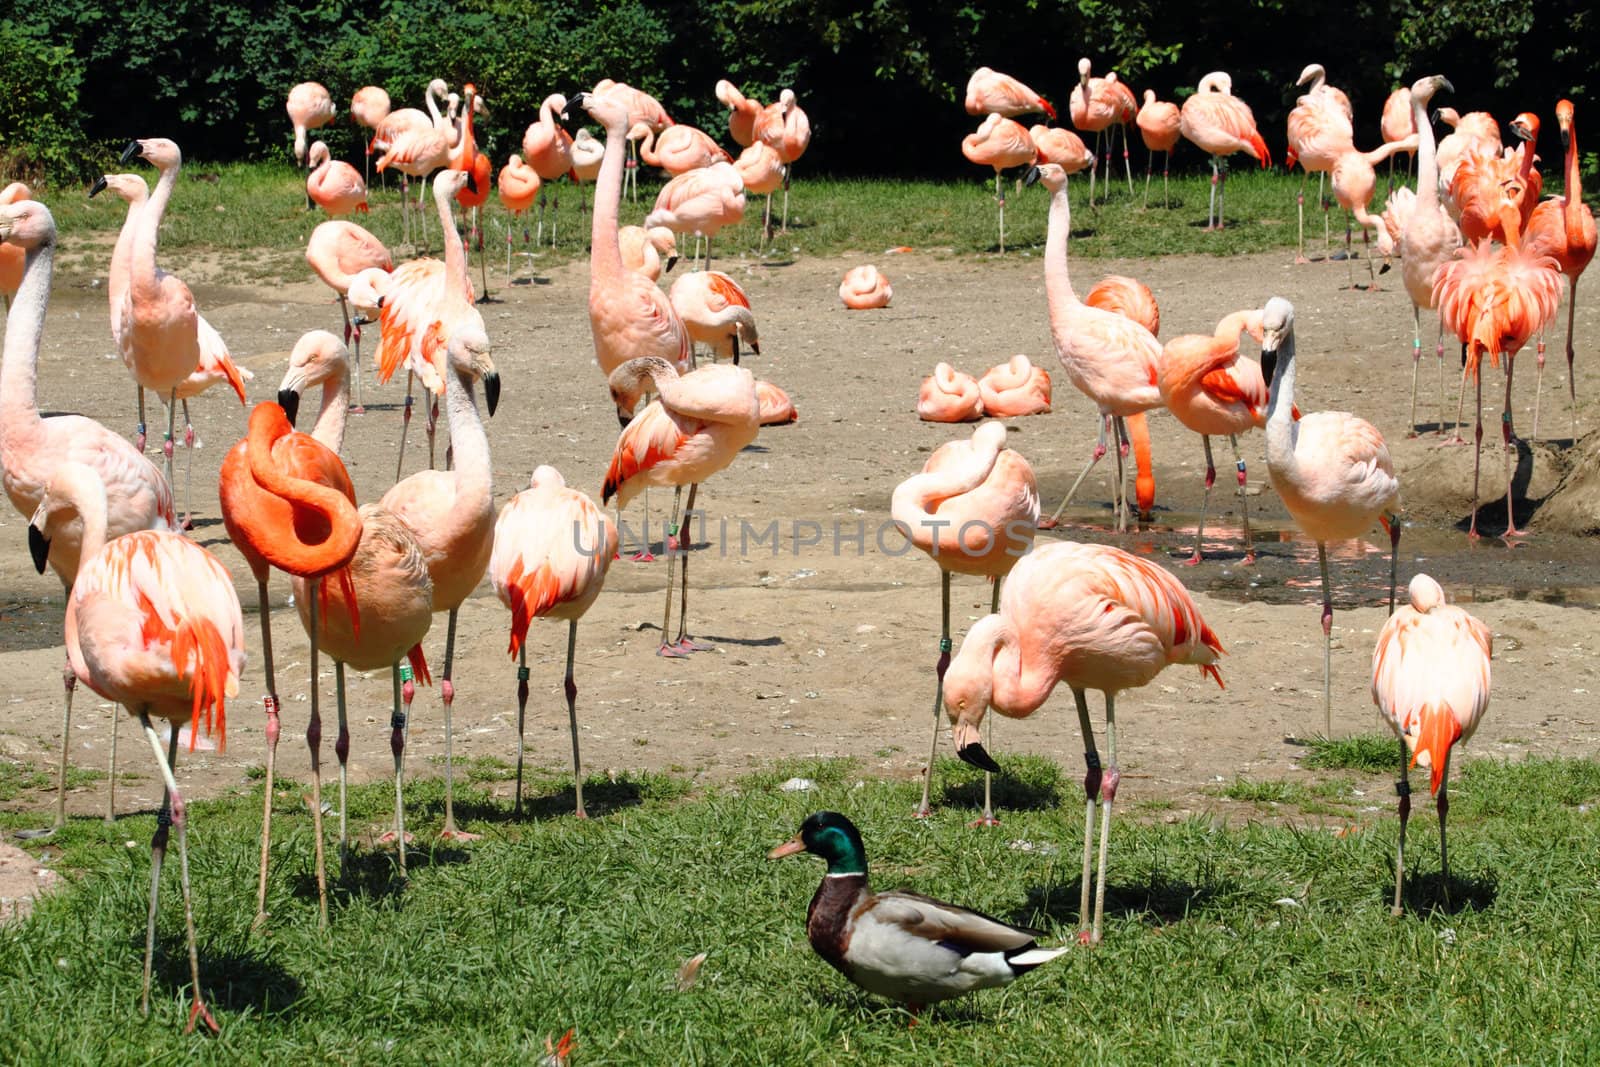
{"points": [[1563, 228], [695, 427], [1158, 127], [33, 447], [999, 143], [334, 185], [310, 108], [1094, 617], [716, 311], [700, 202], [1320, 131], [547, 148], [1221, 124], [1097, 104], [152, 624], [1430, 680], [974, 508], [337, 251], [587, 155], [1331, 469], [520, 187], [369, 106], [743, 111], [786, 128], [761, 170], [552, 547]]}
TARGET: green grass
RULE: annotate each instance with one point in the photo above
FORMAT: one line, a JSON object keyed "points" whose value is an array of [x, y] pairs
{"points": [[551, 923], [1376, 753], [259, 209], [17, 779]]}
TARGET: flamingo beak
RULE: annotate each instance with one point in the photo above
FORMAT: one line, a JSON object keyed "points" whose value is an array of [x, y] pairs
{"points": [[39, 548], [129, 152], [1032, 176], [979, 757], [491, 392], [98, 187], [672, 261], [472, 182], [1444, 83], [289, 401]]}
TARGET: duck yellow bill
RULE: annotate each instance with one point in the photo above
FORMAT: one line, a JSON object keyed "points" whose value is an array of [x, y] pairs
{"points": [[788, 848]]}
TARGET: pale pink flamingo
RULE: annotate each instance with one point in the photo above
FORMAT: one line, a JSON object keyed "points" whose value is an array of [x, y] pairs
{"points": [[1397, 124], [1330, 468], [1212, 390], [1320, 130], [649, 252], [742, 113], [1158, 127], [368, 108], [519, 186], [1096, 105], [1059, 145], [452, 512], [716, 311], [700, 202], [587, 155], [864, 288], [1220, 124], [786, 128], [679, 149], [334, 185], [12, 256], [33, 447], [695, 427], [989, 92], [414, 144], [337, 251], [761, 170], [1112, 359], [776, 409], [948, 395], [310, 108], [386, 587], [974, 509], [408, 121], [1094, 617], [1563, 228], [552, 547], [166, 339], [1015, 388], [547, 148], [1355, 180], [1430, 680], [1475, 133], [641, 108], [1000, 143], [152, 624]]}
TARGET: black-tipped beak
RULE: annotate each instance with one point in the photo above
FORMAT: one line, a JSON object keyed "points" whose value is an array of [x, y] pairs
{"points": [[1444, 83], [1522, 132], [979, 757], [129, 152], [39, 548], [623, 417], [360, 319], [1435, 116], [672, 261], [1385, 268], [1566, 138], [1269, 363], [98, 187], [472, 183], [289, 401], [491, 392], [1031, 176]]}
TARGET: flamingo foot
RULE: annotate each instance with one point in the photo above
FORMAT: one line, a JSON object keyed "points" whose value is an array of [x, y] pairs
{"points": [[1048, 523], [357, 409], [983, 820], [1086, 937], [689, 644], [186, 523], [458, 835], [922, 813], [1301, 260], [1193, 560], [1514, 537], [199, 1012], [671, 651], [1249, 560], [643, 556], [388, 838]]}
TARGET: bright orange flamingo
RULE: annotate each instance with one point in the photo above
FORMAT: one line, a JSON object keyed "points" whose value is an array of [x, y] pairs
{"points": [[700, 202], [1481, 180], [716, 311], [1430, 680], [1320, 129], [519, 186], [1015, 388], [990, 92], [287, 502], [787, 129], [973, 508], [864, 288], [1331, 469], [762, 171], [552, 547], [1563, 228], [999, 143], [1091, 616], [1097, 104], [1221, 124], [679, 149], [152, 624], [948, 395], [12, 256], [337, 251], [1158, 127], [649, 252], [695, 427], [775, 406], [743, 111], [334, 185], [1213, 391], [32, 447], [547, 148], [479, 170], [376, 612], [1112, 359]]}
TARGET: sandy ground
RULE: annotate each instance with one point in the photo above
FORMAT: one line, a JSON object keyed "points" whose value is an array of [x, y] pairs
{"points": [[825, 652]]}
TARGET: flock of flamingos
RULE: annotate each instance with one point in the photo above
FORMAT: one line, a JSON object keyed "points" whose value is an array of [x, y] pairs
{"points": [[153, 622]]}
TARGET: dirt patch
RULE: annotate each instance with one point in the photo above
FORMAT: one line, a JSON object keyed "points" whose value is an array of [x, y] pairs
{"points": [[22, 881]]}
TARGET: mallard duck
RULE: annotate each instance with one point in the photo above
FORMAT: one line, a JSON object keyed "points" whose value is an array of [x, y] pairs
{"points": [[902, 945]]}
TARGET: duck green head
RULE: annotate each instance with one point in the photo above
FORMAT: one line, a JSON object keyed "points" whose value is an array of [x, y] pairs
{"points": [[831, 836]]}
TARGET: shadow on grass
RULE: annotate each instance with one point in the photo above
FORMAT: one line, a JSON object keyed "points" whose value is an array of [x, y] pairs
{"points": [[374, 873], [1157, 901], [601, 797], [1009, 794], [1430, 893], [233, 981]]}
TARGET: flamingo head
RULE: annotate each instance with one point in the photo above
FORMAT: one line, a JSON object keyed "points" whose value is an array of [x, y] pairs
{"points": [[1426, 594], [1526, 126], [27, 224], [665, 242], [131, 187], [1277, 328], [1423, 88], [318, 357], [606, 110], [1312, 73], [1084, 67], [1049, 175], [634, 378], [1564, 120], [366, 294], [319, 154], [546, 477], [969, 688], [471, 357], [159, 152], [67, 492]]}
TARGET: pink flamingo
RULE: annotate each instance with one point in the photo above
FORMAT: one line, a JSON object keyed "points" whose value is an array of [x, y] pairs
{"points": [[679, 149], [999, 143], [368, 108], [33, 447], [1059, 145], [547, 148], [1158, 123], [641, 108], [12, 256], [786, 128], [761, 170], [414, 144], [649, 252], [337, 252], [152, 624], [948, 395], [1320, 131], [1475, 133], [990, 92], [1094, 617], [974, 509], [334, 185], [865, 288], [775, 406], [1430, 680], [742, 113], [552, 547], [1098, 104], [1354, 182], [1397, 124], [385, 586], [695, 427], [1112, 359], [700, 202], [1331, 469], [1213, 391], [587, 155], [310, 108], [519, 186], [1220, 124], [716, 311], [1481, 181], [1015, 388]]}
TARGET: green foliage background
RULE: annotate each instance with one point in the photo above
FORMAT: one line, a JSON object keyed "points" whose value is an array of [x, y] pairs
{"points": [[882, 79]]}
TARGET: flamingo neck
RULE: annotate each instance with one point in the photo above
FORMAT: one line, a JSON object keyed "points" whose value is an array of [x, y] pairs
{"points": [[335, 408], [121, 255], [1058, 293], [605, 255], [1572, 210], [916, 500], [19, 364], [87, 494], [455, 253], [1282, 430], [469, 447], [1427, 160], [142, 255], [325, 530]]}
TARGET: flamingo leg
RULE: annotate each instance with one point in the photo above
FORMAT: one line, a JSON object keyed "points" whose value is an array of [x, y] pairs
{"points": [[1108, 795], [172, 426], [667, 648], [1244, 500], [1349, 262], [766, 225], [352, 332], [1403, 788], [187, 522], [1322, 198], [1477, 455], [1092, 779], [1538, 387], [571, 688], [1093, 167], [139, 437], [273, 729], [1205, 503], [1095, 457], [1127, 167], [1166, 163], [1442, 803], [1149, 166], [433, 430], [341, 749], [1572, 385], [522, 718], [1416, 361], [1222, 192], [1461, 391], [1440, 353], [1392, 524], [69, 682], [1508, 440], [111, 769], [940, 666], [1119, 501], [538, 237], [1300, 206], [1327, 642], [685, 643], [788, 172], [314, 744], [405, 426], [987, 818], [1000, 198], [1211, 210], [447, 693], [158, 854], [404, 691], [555, 206]]}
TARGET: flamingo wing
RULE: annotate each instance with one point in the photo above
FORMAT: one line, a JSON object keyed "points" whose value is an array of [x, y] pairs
{"points": [[653, 436]]}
